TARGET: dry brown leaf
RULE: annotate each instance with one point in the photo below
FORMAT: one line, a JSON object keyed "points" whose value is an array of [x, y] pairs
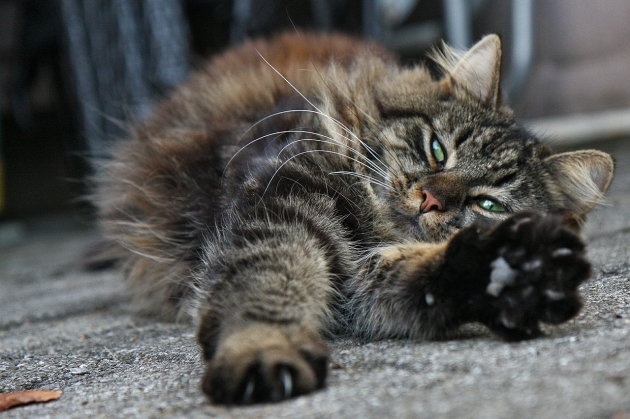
{"points": [[19, 398]]}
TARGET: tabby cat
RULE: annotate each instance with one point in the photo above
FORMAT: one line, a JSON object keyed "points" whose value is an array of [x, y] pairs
{"points": [[310, 186]]}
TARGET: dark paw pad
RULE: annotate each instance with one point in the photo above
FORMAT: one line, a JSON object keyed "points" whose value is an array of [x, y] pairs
{"points": [[534, 277]]}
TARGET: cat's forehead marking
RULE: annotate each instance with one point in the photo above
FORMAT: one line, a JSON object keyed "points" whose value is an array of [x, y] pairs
{"points": [[391, 137]]}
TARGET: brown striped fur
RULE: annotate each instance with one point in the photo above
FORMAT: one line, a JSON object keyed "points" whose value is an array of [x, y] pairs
{"points": [[292, 189]]}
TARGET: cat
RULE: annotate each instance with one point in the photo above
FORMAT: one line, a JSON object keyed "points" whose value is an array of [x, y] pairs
{"points": [[309, 186]]}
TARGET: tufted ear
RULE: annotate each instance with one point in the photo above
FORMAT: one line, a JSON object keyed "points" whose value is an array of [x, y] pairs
{"points": [[581, 178], [477, 70]]}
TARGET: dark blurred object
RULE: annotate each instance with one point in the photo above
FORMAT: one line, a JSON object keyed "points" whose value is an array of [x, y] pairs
{"points": [[581, 56], [37, 126], [264, 17], [123, 55], [39, 47], [209, 25]]}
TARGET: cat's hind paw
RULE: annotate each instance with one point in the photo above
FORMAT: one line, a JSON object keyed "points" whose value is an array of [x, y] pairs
{"points": [[263, 363], [534, 277]]}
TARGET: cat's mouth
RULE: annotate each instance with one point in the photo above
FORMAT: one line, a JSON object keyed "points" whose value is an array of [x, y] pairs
{"points": [[411, 224], [431, 230]]}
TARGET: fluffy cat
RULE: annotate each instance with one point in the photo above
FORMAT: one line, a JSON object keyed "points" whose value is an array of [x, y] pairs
{"points": [[311, 186]]}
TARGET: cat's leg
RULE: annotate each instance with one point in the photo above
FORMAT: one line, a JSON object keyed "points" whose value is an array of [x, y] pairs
{"points": [[509, 277], [267, 299]]}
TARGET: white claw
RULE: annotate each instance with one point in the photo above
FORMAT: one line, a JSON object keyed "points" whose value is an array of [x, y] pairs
{"points": [[532, 265], [429, 299], [554, 295], [563, 251], [249, 391], [510, 324], [521, 222], [287, 382]]}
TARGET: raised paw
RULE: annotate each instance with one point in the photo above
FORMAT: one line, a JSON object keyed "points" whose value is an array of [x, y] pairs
{"points": [[538, 264], [264, 363]]}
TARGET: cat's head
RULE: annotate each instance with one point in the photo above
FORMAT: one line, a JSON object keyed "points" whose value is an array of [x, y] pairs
{"points": [[446, 153]]}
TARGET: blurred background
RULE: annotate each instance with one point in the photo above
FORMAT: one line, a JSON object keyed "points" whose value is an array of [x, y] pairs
{"points": [[72, 71]]}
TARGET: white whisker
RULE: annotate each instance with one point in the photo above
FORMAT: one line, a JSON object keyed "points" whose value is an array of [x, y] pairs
{"points": [[372, 166], [368, 116], [319, 111], [364, 177], [297, 155]]}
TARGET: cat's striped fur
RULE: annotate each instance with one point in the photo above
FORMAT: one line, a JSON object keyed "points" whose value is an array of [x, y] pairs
{"points": [[311, 185]]}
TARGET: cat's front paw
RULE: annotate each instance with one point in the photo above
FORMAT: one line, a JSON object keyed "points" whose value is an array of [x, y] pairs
{"points": [[534, 275], [264, 363]]}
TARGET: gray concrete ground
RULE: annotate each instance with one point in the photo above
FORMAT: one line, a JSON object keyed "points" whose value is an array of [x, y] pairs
{"points": [[65, 329]]}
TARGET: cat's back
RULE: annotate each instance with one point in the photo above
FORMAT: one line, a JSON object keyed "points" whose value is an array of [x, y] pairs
{"points": [[164, 186], [242, 84]]}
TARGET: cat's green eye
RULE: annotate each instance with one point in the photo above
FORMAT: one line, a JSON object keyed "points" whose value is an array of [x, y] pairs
{"points": [[490, 205], [438, 152]]}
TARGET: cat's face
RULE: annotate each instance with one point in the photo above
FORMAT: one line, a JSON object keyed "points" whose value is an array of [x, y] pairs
{"points": [[457, 166], [453, 154]]}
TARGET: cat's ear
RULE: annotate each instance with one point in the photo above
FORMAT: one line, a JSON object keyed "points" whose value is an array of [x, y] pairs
{"points": [[581, 178], [477, 70]]}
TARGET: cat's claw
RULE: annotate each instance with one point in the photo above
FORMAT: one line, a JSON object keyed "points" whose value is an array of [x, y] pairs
{"points": [[287, 382], [268, 368], [534, 275], [249, 391], [282, 392]]}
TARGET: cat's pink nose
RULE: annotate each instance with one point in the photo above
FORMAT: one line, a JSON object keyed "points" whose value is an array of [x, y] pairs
{"points": [[430, 202]]}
